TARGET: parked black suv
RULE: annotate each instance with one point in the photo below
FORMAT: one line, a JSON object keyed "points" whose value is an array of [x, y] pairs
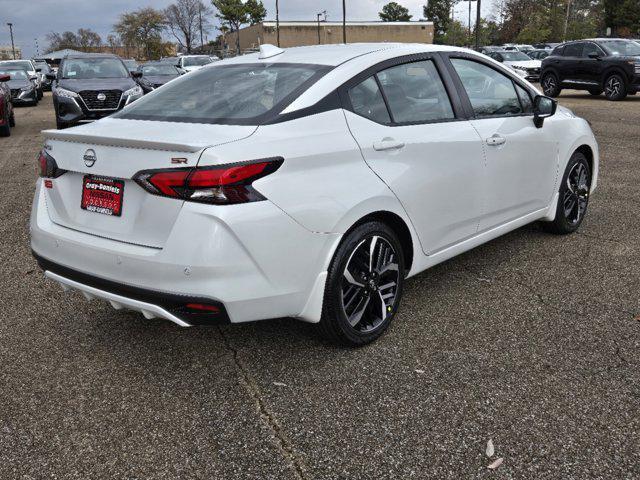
{"points": [[91, 86], [598, 65]]}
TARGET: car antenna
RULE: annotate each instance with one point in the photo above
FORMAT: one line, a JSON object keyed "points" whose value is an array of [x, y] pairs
{"points": [[267, 51]]}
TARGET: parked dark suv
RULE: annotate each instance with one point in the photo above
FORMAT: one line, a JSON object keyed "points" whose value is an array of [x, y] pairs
{"points": [[599, 65], [89, 87]]}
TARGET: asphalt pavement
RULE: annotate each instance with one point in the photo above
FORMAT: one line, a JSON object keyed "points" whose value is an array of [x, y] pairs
{"points": [[530, 341]]}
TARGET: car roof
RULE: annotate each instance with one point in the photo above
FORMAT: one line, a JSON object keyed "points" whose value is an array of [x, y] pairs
{"points": [[331, 55]]}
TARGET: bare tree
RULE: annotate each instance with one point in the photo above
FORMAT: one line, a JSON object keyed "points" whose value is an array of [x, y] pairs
{"points": [[186, 19], [88, 39]]}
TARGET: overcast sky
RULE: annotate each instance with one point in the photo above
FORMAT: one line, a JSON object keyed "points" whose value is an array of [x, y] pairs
{"points": [[33, 19]]}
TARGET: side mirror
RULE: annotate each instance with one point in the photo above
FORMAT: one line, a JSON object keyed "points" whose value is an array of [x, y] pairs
{"points": [[51, 76], [136, 74], [543, 107], [34, 78], [594, 55], [5, 78]]}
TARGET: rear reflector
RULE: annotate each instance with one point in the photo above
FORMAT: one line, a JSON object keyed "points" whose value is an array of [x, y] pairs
{"points": [[219, 185], [203, 307]]}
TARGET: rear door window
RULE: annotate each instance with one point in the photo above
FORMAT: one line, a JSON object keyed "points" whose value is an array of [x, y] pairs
{"points": [[573, 50], [367, 101], [415, 93]]}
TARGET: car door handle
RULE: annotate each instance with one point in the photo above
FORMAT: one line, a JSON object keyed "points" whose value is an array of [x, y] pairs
{"points": [[387, 144], [496, 140]]}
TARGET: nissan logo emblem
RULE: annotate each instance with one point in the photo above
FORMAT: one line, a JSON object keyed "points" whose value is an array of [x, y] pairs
{"points": [[102, 97], [89, 158]]}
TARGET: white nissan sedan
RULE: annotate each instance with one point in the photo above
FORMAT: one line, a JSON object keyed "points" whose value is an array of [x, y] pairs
{"points": [[309, 182]]}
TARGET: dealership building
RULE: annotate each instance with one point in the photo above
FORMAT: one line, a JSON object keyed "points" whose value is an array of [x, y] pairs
{"points": [[6, 52], [295, 34]]}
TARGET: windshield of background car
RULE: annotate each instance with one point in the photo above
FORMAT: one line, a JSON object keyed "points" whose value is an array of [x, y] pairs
{"points": [[44, 67], [23, 65], [622, 47], [515, 56], [245, 94], [196, 61], [160, 69], [15, 74], [85, 68]]}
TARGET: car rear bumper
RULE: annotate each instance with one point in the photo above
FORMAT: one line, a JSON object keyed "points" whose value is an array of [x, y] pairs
{"points": [[252, 260], [151, 303]]}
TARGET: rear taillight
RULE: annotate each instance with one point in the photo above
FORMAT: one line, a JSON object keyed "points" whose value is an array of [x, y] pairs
{"points": [[219, 185], [47, 166]]}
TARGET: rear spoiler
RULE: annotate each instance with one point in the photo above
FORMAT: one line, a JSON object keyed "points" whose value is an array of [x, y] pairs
{"points": [[71, 136]]}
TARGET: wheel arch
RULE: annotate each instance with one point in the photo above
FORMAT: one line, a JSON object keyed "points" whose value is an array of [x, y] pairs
{"points": [[610, 71], [588, 153], [399, 227]]}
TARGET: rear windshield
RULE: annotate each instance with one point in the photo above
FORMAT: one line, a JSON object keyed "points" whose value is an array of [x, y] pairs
{"points": [[196, 61], [622, 47], [515, 56], [15, 74], [85, 68], [159, 69], [246, 94], [24, 65]]}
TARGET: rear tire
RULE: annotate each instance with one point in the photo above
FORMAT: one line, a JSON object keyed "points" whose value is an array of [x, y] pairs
{"points": [[615, 88], [550, 85], [573, 198], [364, 285], [5, 130]]}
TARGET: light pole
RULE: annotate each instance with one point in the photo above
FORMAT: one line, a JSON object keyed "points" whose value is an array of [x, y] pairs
{"points": [[318, 15], [344, 21], [470, 22], [478, 24], [13, 48], [277, 24], [566, 21], [37, 49], [200, 21]]}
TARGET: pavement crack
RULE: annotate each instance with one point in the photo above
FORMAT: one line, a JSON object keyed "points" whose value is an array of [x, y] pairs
{"points": [[268, 418]]}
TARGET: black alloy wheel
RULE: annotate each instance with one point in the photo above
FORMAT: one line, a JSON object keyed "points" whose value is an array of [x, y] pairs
{"points": [[364, 285], [551, 85], [615, 88]]}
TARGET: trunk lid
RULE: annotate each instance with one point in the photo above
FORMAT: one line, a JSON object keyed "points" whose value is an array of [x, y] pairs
{"points": [[121, 149]]}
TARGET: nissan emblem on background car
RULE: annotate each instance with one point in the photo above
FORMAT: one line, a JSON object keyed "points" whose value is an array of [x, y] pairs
{"points": [[308, 195]]}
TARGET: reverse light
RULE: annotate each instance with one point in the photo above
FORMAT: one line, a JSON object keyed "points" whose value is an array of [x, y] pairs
{"points": [[47, 166], [220, 185]]}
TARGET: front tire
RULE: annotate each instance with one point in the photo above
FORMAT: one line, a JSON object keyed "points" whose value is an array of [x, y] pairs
{"points": [[550, 85], [573, 198], [12, 118], [615, 88], [364, 285]]}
